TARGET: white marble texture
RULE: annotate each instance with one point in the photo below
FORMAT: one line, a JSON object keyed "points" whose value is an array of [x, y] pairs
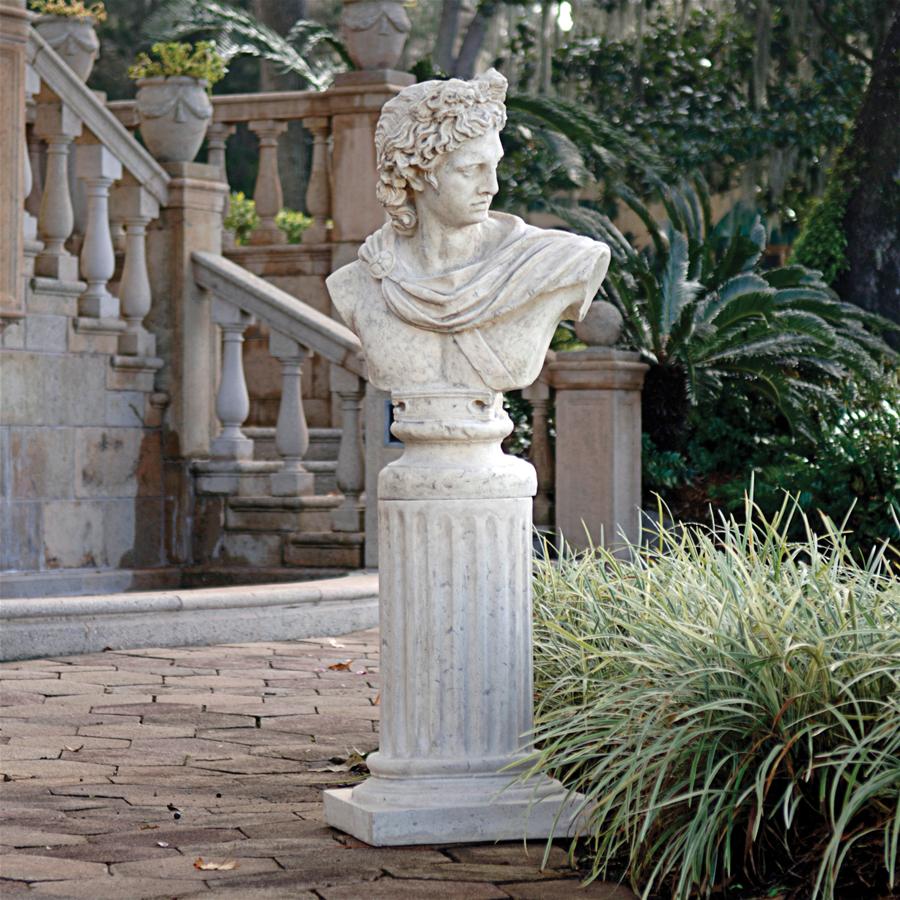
{"points": [[454, 304]]}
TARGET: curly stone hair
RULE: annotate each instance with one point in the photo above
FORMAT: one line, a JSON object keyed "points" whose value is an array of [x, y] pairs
{"points": [[421, 124]]}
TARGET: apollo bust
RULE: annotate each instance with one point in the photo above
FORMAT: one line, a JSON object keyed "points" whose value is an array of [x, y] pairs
{"points": [[447, 294]]}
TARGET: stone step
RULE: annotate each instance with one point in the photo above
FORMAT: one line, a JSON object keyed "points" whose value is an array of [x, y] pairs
{"points": [[326, 549], [286, 514], [222, 576]]}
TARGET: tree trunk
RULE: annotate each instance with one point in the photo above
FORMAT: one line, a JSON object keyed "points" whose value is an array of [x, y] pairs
{"points": [[464, 67], [448, 29], [872, 216], [293, 146]]}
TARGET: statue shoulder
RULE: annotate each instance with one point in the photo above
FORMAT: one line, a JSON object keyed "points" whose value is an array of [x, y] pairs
{"points": [[347, 287]]}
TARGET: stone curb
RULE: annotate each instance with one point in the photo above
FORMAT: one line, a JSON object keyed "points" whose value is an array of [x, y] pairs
{"points": [[54, 626]]}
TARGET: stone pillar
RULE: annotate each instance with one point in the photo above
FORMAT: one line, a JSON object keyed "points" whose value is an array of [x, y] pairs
{"points": [[267, 192], [291, 433], [136, 208], [58, 126], [318, 191], [181, 318], [350, 475], [598, 445], [356, 100], [455, 589], [98, 169], [13, 40]]}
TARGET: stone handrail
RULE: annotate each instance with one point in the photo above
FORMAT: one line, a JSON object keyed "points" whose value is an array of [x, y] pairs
{"points": [[108, 130], [285, 314], [238, 298]]}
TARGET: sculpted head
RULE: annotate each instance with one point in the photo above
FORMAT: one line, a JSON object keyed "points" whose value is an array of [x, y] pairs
{"points": [[437, 146]]}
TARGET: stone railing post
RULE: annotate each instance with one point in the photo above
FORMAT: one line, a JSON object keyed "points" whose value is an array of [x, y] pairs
{"points": [[540, 454], [351, 475], [232, 399], [267, 192], [291, 433], [58, 126], [32, 86], [216, 141], [136, 208], [13, 40], [98, 169], [598, 435], [318, 191]]}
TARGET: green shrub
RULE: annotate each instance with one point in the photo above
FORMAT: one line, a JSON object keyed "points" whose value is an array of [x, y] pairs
{"points": [[198, 60], [74, 9], [293, 223], [728, 703], [242, 219]]}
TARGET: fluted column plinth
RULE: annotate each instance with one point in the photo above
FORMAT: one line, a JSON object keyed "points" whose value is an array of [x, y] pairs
{"points": [[455, 593]]}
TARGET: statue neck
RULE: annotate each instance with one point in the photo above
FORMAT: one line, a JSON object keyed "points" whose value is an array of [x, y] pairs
{"points": [[436, 248]]}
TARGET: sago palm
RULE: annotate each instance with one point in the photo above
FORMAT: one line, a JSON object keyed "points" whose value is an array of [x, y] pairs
{"points": [[708, 318]]}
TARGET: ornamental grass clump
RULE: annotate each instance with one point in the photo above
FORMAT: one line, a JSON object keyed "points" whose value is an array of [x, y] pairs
{"points": [[729, 703]]}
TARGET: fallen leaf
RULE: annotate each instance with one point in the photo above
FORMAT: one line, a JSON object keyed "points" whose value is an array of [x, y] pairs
{"points": [[74, 749], [162, 844], [341, 666], [360, 672], [226, 866], [377, 700], [332, 642], [148, 827]]}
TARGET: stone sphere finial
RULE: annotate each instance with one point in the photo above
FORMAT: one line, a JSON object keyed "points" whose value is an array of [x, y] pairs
{"points": [[374, 32], [602, 325]]}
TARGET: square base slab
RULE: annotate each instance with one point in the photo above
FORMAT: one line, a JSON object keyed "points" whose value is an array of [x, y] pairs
{"points": [[510, 817]]}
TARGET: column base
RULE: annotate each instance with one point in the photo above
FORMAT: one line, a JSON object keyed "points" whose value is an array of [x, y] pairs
{"points": [[460, 810]]}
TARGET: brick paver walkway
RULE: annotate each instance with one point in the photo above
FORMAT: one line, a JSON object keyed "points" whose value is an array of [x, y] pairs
{"points": [[134, 774]]}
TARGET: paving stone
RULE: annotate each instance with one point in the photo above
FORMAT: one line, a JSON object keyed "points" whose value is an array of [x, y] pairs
{"points": [[196, 748], [17, 836], [67, 742], [319, 753], [11, 752], [257, 893], [20, 698], [117, 888], [13, 888], [54, 768], [330, 725], [511, 854], [217, 682], [569, 889], [250, 765], [182, 867], [113, 677], [389, 888], [136, 730], [14, 728], [30, 867], [450, 871]]}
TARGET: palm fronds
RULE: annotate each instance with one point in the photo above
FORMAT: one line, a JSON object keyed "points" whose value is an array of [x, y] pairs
{"points": [[309, 49]]}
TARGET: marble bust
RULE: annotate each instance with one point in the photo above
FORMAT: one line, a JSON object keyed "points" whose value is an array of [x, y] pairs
{"points": [[447, 294]]}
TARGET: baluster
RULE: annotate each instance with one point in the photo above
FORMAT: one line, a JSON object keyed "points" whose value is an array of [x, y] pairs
{"points": [[232, 400], [58, 126], [350, 388], [33, 201], [540, 454], [135, 207], [32, 86], [267, 192], [291, 433], [216, 140], [318, 191], [98, 169]]}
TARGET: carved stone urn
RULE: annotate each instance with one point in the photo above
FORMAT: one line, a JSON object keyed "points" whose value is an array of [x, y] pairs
{"points": [[74, 39], [374, 32], [174, 113]]}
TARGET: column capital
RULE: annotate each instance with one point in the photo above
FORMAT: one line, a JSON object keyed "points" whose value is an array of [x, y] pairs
{"points": [[267, 129], [56, 123], [133, 204], [285, 348], [96, 162], [218, 133]]}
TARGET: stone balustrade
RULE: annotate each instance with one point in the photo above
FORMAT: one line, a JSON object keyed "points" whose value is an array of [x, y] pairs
{"points": [[267, 115], [84, 166], [296, 330]]}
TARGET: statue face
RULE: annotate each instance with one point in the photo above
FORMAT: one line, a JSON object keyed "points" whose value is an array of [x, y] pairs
{"points": [[466, 183]]}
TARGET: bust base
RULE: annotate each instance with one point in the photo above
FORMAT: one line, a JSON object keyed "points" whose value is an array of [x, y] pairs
{"points": [[431, 817]]}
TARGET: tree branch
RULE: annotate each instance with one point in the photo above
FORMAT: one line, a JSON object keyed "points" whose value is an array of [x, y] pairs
{"points": [[818, 11]]}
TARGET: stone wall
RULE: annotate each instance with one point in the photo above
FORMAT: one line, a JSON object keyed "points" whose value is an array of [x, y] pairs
{"points": [[80, 457]]}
